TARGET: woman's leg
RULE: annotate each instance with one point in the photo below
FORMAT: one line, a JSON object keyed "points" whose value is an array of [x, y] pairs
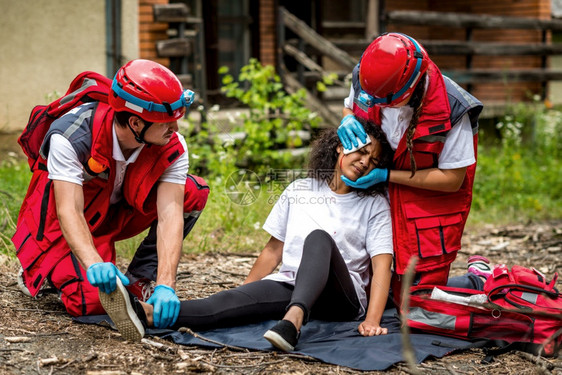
{"points": [[466, 281], [323, 286], [253, 302]]}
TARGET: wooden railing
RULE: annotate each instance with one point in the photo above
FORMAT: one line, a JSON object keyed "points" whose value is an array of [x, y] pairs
{"points": [[185, 44], [300, 50], [309, 48], [471, 48]]}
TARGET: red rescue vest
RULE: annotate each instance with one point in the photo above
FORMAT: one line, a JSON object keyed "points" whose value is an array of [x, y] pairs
{"points": [[39, 242], [426, 223]]}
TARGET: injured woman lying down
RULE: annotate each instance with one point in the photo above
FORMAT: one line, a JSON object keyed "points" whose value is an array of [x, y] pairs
{"points": [[334, 245]]}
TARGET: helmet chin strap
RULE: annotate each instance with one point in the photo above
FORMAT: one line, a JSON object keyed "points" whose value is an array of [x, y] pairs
{"points": [[140, 137]]}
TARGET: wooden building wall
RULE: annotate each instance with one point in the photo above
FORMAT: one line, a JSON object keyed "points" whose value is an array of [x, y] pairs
{"points": [[267, 37], [489, 92], [150, 32]]}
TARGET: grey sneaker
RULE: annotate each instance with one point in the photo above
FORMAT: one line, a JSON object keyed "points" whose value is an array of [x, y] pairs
{"points": [[21, 283], [46, 288], [119, 307]]}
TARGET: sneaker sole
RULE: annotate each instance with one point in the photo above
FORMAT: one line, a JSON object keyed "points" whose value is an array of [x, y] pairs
{"points": [[21, 284], [279, 342], [118, 306]]}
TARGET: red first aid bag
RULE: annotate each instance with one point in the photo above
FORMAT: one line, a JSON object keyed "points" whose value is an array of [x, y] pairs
{"points": [[517, 306]]}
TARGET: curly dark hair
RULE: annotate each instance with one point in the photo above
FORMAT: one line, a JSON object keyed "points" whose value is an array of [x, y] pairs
{"points": [[324, 156]]}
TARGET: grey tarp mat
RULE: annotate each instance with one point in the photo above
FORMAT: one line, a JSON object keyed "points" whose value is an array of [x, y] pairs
{"points": [[336, 343]]}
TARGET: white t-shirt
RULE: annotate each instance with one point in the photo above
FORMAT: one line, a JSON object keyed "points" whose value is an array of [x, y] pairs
{"points": [[360, 226], [458, 149], [63, 164]]}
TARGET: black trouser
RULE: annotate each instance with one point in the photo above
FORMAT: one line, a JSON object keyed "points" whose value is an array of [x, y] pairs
{"points": [[466, 281], [145, 261], [323, 289]]}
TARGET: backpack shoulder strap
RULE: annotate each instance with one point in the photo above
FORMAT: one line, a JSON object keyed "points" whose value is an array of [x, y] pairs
{"points": [[86, 87], [521, 287], [99, 160]]}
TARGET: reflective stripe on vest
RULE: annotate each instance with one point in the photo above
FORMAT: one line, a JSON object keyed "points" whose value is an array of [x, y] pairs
{"points": [[432, 318]]}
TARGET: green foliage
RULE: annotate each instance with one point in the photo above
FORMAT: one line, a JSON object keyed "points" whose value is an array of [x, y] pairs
{"points": [[255, 138], [326, 81], [14, 178], [52, 96], [519, 177], [271, 123], [226, 226]]}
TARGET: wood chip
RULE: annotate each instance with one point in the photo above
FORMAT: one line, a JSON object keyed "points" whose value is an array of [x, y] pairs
{"points": [[15, 339]]}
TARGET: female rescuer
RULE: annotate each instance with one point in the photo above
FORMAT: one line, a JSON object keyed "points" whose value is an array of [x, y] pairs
{"points": [[431, 124]]}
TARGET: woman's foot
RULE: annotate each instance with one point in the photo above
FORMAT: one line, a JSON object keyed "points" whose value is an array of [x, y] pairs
{"points": [[147, 311], [125, 311], [480, 266], [283, 336]]}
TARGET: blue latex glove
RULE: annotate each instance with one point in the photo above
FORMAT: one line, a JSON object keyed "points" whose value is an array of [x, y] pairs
{"points": [[374, 177], [349, 130], [166, 306], [102, 276]]}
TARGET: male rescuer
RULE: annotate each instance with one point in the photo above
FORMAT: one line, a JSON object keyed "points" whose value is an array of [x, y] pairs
{"points": [[108, 172]]}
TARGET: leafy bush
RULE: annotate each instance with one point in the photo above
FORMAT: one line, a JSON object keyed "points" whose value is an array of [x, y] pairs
{"points": [[14, 178], [271, 123], [519, 177]]}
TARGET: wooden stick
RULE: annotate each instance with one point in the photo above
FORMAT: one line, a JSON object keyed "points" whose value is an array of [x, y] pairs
{"points": [[407, 349], [196, 335]]}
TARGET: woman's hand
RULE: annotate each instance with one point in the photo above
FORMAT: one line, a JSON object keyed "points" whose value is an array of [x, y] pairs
{"points": [[368, 328]]}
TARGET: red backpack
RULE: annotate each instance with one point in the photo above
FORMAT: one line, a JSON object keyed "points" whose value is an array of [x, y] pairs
{"points": [[518, 306], [86, 87]]}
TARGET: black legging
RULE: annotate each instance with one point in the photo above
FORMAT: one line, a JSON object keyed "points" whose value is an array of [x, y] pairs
{"points": [[323, 289]]}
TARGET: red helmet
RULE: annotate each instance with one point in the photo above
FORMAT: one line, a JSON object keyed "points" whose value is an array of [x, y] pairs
{"points": [[390, 68], [150, 90]]}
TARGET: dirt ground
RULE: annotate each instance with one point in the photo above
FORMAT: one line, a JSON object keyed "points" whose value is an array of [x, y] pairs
{"points": [[38, 337]]}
